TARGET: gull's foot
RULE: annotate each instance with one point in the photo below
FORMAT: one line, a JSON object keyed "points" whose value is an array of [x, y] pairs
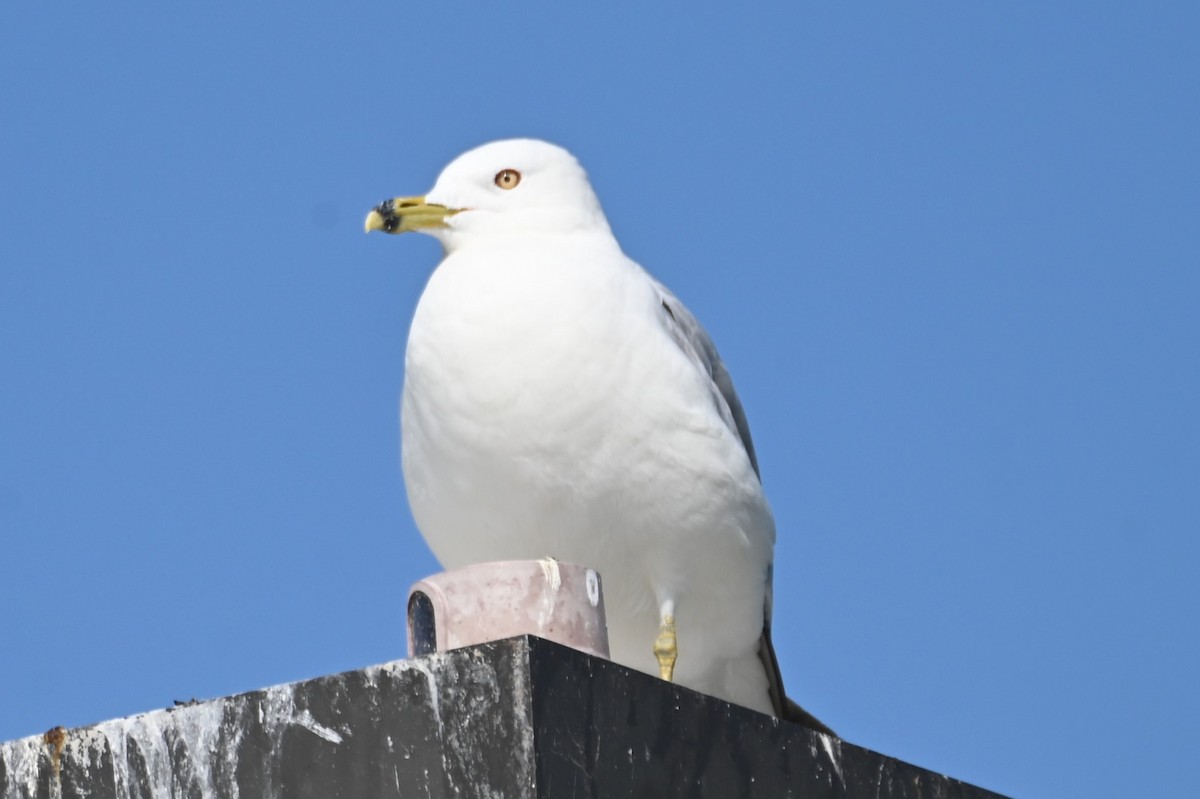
{"points": [[666, 648]]}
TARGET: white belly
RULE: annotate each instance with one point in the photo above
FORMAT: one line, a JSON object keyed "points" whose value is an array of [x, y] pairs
{"points": [[540, 417]]}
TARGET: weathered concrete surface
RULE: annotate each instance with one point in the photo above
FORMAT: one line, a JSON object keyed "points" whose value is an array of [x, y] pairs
{"points": [[515, 718], [446, 723]]}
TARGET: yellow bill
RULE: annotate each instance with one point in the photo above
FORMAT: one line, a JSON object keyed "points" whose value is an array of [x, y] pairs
{"points": [[404, 214]]}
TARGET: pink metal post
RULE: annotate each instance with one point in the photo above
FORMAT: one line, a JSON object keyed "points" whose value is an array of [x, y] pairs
{"points": [[561, 602]]}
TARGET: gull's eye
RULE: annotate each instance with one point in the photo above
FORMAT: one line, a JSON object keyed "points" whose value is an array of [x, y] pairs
{"points": [[508, 178]]}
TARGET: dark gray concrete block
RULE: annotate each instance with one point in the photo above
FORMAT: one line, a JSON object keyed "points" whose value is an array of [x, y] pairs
{"points": [[515, 718]]}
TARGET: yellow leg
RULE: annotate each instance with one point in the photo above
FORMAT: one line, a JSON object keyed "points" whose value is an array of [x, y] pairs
{"points": [[666, 648]]}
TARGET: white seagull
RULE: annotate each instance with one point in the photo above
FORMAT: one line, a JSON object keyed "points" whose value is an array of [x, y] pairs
{"points": [[560, 401]]}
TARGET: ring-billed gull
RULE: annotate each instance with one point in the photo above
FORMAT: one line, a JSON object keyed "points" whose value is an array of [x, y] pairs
{"points": [[560, 401]]}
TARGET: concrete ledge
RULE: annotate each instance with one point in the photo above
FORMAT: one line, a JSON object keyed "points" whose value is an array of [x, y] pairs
{"points": [[516, 718]]}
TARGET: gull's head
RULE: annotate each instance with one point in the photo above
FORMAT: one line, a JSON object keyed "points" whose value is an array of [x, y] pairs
{"points": [[518, 186]]}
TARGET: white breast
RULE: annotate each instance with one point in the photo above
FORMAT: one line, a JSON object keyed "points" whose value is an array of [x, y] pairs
{"points": [[547, 411]]}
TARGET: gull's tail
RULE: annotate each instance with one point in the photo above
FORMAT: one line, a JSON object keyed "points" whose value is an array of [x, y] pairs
{"points": [[784, 708]]}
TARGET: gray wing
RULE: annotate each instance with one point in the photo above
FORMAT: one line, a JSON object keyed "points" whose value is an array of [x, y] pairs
{"points": [[692, 339]]}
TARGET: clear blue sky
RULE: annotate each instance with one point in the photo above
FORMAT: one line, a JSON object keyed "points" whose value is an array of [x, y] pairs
{"points": [[951, 252]]}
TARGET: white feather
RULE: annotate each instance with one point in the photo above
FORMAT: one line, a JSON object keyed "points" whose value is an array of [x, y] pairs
{"points": [[553, 405]]}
